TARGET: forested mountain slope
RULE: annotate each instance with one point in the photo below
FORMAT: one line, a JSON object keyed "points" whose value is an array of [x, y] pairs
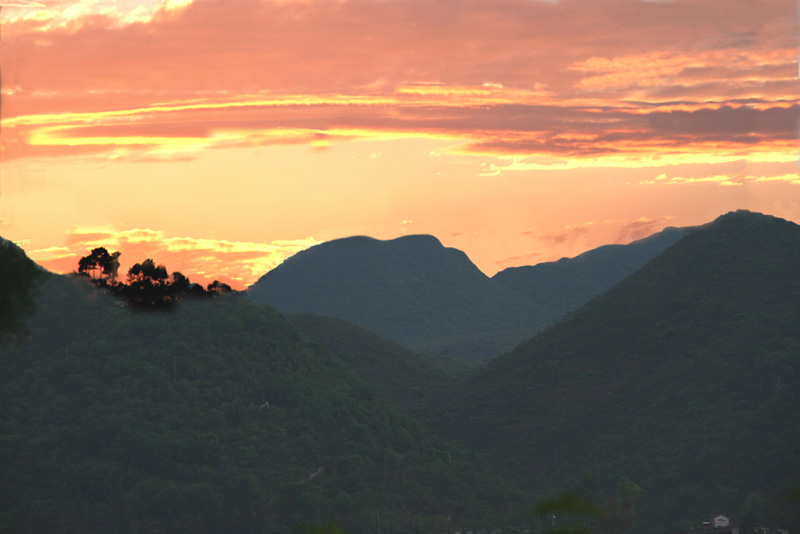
{"points": [[217, 416], [429, 298], [401, 376], [411, 290], [20, 279], [685, 377]]}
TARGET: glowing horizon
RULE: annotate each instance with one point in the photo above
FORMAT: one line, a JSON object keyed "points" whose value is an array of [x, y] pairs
{"points": [[518, 133]]}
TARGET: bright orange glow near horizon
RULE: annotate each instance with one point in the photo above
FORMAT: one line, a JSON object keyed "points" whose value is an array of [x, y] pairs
{"points": [[219, 138]]}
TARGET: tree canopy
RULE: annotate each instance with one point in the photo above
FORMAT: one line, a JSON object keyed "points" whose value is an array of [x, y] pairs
{"points": [[149, 284], [100, 261]]}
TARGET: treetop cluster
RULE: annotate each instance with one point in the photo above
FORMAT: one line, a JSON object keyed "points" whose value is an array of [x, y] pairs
{"points": [[149, 285]]}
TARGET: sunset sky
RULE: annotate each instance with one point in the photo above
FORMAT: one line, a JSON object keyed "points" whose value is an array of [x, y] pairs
{"points": [[221, 136]]}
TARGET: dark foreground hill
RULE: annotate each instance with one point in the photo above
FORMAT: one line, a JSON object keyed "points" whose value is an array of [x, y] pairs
{"points": [[19, 280], [217, 416], [431, 298], [402, 377], [685, 377]]}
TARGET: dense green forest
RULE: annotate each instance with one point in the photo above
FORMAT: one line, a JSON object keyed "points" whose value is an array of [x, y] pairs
{"points": [[216, 416], [404, 378], [685, 378], [670, 398], [20, 279]]}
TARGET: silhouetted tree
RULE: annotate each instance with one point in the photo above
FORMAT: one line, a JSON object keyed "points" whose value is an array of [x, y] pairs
{"points": [[148, 272], [219, 288], [196, 290], [111, 266], [100, 267], [148, 285], [100, 261], [180, 284], [88, 266]]}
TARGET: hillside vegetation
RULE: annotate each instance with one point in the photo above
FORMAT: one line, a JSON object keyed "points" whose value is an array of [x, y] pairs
{"points": [[217, 416], [20, 279], [400, 376], [672, 397], [685, 377]]}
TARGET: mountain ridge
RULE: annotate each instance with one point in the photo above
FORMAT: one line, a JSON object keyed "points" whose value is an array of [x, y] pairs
{"points": [[567, 283], [396, 288], [431, 298], [684, 377]]}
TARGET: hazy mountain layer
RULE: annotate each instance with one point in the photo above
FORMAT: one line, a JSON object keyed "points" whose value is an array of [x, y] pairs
{"points": [[684, 377], [431, 298], [565, 285]]}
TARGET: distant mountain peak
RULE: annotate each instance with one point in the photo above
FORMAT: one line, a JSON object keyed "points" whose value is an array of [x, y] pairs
{"points": [[419, 239], [742, 213], [362, 240], [359, 243], [745, 217], [421, 294]]}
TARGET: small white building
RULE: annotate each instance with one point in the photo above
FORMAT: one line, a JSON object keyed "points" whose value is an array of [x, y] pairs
{"points": [[721, 521]]}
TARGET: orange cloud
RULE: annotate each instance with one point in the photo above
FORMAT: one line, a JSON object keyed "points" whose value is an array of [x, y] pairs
{"points": [[485, 123], [202, 260], [520, 80], [516, 261], [69, 14], [639, 229], [569, 235], [660, 68], [723, 179], [573, 239], [697, 89]]}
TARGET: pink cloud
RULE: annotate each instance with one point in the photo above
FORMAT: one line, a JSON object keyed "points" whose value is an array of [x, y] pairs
{"points": [[518, 260], [345, 46], [574, 78], [640, 229], [568, 236]]}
